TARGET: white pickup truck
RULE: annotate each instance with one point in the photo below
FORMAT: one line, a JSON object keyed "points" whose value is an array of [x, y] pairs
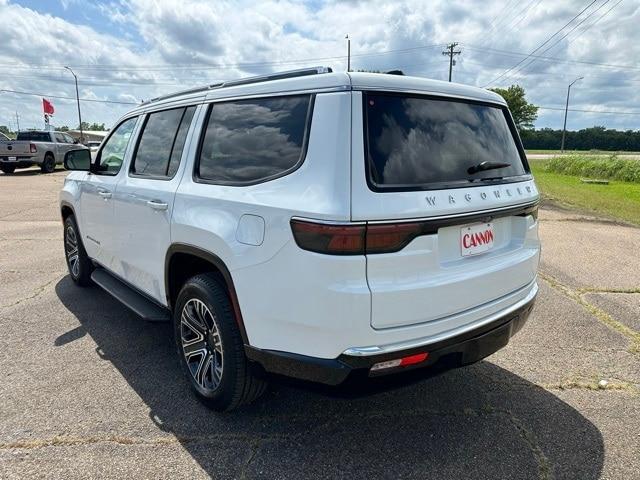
{"points": [[35, 147]]}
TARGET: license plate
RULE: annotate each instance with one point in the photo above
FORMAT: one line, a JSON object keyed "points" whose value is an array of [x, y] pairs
{"points": [[12, 159], [476, 239]]}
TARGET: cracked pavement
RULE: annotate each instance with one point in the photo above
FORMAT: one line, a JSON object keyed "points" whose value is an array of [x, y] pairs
{"points": [[90, 391]]}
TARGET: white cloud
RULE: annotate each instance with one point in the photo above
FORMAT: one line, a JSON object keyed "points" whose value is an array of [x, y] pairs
{"points": [[156, 46]]}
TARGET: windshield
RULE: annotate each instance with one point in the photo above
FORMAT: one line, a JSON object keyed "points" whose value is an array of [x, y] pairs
{"points": [[34, 136], [417, 143]]}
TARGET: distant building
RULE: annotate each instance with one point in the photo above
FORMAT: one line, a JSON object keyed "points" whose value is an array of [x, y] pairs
{"points": [[89, 135]]}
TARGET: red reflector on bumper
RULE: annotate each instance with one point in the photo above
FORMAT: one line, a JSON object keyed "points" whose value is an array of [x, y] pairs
{"points": [[401, 362], [413, 359]]}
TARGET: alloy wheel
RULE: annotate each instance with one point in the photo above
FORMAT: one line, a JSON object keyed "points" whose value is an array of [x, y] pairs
{"points": [[71, 244], [201, 344]]}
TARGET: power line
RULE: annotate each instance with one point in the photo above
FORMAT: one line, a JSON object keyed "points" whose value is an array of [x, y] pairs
{"points": [[522, 68], [551, 59], [192, 66], [520, 16], [541, 45], [493, 25], [590, 111], [66, 98]]}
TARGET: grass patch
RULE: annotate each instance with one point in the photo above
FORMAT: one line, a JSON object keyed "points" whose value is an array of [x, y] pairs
{"points": [[618, 199], [579, 152], [591, 166]]}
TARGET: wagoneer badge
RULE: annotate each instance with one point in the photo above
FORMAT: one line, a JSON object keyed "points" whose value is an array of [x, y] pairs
{"points": [[468, 197]]}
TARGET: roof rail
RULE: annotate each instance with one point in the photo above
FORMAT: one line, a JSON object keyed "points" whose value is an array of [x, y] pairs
{"points": [[301, 72]]}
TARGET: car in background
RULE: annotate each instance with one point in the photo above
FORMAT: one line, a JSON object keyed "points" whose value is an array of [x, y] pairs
{"points": [[43, 148], [93, 147]]}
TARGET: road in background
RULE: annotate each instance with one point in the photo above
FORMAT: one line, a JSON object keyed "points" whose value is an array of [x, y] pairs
{"points": [[545, 156], [90, 391]]}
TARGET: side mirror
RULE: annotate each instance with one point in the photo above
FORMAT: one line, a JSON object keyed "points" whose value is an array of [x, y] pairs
{"points": [[78, 160]]}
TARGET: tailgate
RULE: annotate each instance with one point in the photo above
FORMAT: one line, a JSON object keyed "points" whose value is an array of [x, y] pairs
{"points": [[15, 149], [433, 278], [453, 174]]}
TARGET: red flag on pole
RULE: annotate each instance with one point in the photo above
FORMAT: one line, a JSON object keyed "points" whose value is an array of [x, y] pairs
{"points": [[47, 106]]}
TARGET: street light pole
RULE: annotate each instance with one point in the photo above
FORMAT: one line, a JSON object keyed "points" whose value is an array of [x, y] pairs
{"points": [[348, 52], [566, 109], [78, 102]]}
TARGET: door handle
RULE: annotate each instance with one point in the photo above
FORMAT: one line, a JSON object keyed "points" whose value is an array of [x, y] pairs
{"points": [[156, 205], [106, 194]]}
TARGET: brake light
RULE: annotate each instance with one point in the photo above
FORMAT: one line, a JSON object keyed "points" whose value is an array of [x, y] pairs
{"points": [[32, 148], [356, 239]]}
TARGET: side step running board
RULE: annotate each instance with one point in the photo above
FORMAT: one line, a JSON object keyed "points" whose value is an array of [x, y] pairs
{"points": [[137, 302]]}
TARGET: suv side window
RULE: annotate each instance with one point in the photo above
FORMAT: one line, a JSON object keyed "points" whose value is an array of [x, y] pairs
{"points": [[111, 156], [59, 137], [160, 145], [255, 140]]}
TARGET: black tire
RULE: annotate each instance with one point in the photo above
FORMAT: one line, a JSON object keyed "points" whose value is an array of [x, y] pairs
{"points": [[8, 169], [78, 262], [214, 340], [49, 164]]}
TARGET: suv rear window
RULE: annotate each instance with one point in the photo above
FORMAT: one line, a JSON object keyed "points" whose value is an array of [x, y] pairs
{"points": [[34, 136], [252, 141], [422, 143]]}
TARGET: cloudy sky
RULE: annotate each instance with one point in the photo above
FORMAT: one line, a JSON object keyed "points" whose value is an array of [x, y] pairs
{"points": [[125, 51]]}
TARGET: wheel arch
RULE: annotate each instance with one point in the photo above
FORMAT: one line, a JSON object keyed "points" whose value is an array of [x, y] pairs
{"points": [[184, 261], [66, 209]]}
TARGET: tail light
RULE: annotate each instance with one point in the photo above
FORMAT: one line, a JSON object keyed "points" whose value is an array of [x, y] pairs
{"points": [[327, 238], [355, 239], [32, 148], [391, 237], [368, 238]]}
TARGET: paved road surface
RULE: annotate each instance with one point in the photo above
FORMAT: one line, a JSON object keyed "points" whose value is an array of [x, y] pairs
{"points": [[90, 391]]}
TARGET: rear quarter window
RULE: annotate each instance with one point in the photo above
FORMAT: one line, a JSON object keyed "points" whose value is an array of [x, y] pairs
{"points": [[421, 143], [254, 140]]}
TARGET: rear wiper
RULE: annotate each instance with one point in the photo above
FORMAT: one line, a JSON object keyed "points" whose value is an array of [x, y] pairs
{"points": [[481, 167]]}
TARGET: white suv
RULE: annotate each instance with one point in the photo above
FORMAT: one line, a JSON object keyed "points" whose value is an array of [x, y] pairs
{"points": [[313, 224]]}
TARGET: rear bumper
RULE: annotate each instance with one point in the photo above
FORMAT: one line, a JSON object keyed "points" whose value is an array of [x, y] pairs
{"points": [[19, 162], [463, 349]]}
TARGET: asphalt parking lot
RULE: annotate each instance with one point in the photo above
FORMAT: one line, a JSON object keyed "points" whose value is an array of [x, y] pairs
{"points": [[90, 391]]}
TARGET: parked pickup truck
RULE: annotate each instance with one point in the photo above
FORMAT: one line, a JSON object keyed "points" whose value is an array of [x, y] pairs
{"points": [[35, 147]]}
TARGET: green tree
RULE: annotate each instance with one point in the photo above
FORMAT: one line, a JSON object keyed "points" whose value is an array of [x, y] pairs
{"points": [[94, 126], [524, 113], [7, 131], [63, 128]]}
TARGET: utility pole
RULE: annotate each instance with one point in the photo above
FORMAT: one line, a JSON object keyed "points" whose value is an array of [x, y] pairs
{"points": [[450, 52], [78, 102], [17, 120], [348, 52], [566, 109]]}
